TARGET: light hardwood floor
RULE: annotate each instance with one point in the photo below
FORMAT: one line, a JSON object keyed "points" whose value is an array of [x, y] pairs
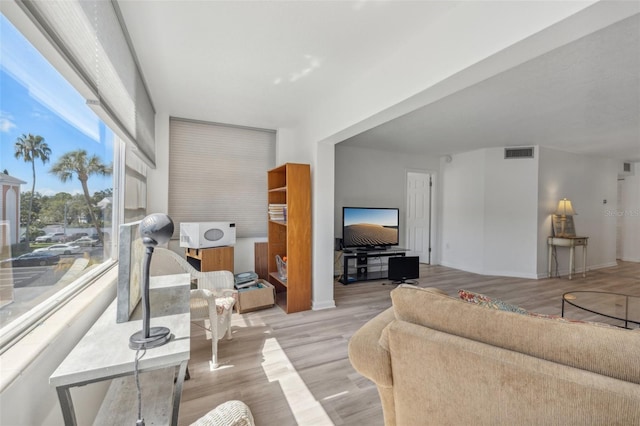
{"points": [[293, 369]]}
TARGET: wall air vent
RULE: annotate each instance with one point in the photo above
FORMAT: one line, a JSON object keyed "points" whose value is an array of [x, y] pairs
{"points": [[626, 167], [518, 152]]}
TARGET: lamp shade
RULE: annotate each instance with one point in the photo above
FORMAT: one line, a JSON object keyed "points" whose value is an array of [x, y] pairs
{"points": [[565, 208]]}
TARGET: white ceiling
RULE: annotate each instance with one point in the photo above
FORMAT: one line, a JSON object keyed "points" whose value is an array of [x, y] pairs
{"points": [[266, 64]]}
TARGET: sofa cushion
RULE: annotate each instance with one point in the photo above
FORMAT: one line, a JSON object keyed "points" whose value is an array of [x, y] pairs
{"points": [[442, 379], [609, 351], [482, 300], [489, 302]]}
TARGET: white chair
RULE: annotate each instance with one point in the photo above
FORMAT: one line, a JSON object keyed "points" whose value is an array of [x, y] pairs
{"points": [[212, 300]]}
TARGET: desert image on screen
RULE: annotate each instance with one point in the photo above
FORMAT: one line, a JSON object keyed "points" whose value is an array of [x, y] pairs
{"points": [[368, 234]]}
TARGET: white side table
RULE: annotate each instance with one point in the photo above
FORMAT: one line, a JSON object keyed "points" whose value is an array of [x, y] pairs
{"points": [[103, 353], [570, 242]]}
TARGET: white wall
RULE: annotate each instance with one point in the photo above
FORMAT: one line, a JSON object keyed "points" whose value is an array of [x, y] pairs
{"points": [[374, 178], [11, 213], [463, 212], [496, 214], [629, 213], [322, 195], [489, 213], [586, 181], [510, 214]]}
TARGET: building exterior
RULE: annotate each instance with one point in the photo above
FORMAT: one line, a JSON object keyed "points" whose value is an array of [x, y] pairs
{"points": [[9, 210]]}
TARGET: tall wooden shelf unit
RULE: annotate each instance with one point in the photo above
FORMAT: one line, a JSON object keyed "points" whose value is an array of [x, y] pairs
{"points": [[290, 184]]}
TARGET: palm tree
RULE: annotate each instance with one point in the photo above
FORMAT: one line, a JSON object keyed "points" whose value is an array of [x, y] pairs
{"points": [[83, 165], [30, 147]]}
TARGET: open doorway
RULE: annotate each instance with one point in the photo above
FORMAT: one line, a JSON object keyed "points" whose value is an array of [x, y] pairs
{"points": [[419, 214]]}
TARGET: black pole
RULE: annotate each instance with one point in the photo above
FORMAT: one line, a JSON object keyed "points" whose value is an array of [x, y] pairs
{"points": [[146, 311], [154, 229]]}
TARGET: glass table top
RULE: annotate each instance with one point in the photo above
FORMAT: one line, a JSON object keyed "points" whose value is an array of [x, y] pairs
{"points": [[618, 306]]}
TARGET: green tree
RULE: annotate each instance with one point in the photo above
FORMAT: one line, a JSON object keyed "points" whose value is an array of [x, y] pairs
{"points": [[29, 148], [77, 208], [54, 207], [27, 198], [83, 166]]}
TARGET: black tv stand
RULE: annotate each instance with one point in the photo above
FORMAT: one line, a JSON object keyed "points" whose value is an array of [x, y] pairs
{"points": [[361, 271], [367, 249]]}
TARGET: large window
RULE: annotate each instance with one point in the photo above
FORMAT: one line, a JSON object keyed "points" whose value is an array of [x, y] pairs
{"points": [[59, 167]]}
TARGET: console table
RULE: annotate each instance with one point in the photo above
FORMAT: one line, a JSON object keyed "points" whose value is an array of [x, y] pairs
{"points": [[571, 243], [104, 354], [361, 270]]}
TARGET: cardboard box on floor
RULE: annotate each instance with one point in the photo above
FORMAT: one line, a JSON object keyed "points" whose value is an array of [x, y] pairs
{"points": [[254, 299]]}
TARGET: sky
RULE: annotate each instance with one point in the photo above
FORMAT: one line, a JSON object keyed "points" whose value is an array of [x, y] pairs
{"points": [[36, 99], [383, 216]]}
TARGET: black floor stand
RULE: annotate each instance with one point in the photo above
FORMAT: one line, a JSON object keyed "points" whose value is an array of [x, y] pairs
{"points": [[412, 282]]}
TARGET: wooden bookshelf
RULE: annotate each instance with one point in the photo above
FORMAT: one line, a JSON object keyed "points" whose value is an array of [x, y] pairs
{"points": [[290, 184]]}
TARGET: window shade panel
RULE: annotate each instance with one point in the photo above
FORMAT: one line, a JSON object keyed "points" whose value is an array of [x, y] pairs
{"points": [[91, 37], [219, 173], [135, 183]]}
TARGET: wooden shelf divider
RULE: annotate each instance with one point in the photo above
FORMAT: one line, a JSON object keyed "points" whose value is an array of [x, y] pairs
{"points": [[290, 184]]}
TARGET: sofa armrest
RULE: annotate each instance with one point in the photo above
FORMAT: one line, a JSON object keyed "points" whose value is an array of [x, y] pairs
{"points": [[367, 355]]}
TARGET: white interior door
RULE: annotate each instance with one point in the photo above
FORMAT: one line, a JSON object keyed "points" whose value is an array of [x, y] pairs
{"points": [[418, 220]]}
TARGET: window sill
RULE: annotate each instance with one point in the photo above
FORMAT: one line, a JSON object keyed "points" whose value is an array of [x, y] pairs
{"points": [[41, 340]]}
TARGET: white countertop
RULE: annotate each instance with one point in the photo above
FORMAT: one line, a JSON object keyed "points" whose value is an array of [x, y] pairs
{"points": [[104, 351]]}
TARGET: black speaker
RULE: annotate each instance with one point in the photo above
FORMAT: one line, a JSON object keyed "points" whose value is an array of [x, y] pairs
{"points": [[402, 268]]}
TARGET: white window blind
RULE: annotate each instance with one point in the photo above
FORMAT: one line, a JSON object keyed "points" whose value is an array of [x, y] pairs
{"points": [[135, 188], [91, 37], [219, 173]]}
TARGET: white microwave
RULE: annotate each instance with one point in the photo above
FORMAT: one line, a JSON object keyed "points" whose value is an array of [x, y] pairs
{"points": [[207, 234]]}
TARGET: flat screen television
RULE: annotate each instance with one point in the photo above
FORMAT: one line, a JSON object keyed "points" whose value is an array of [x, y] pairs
{"points": [[370, 227]]}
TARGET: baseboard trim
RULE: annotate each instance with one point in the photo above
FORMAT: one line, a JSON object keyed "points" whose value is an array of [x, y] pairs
{"points": [[578, 271], [317, 306], [603, 265], [513, 274]]}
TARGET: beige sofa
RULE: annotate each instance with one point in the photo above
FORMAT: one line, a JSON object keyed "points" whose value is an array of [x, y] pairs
{"points": [[438, 360]]}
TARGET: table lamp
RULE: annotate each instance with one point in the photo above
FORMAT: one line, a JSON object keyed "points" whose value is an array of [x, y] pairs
{"points": [[157, 228], [564, 209]]}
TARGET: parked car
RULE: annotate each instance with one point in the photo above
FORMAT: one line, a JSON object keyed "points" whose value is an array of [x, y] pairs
{"points": [[77, 235], [60, 249], [56, 237], [32, 236], [31, 259], [86, 242]]}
